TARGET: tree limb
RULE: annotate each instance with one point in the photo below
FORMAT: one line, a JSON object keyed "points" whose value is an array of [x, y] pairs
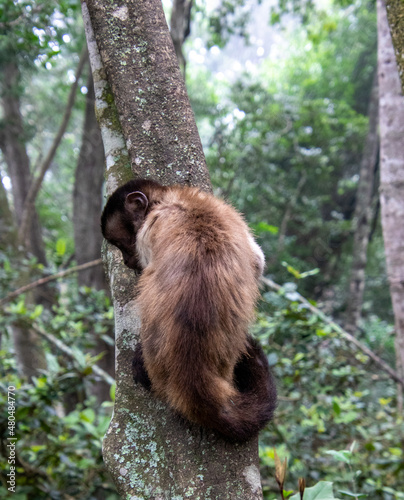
{"points": [[53, 277], [36, 184], [382, 364], [66, 349]]}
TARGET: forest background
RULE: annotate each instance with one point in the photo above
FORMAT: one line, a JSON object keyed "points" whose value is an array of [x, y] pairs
{"points": [[286, 102]]}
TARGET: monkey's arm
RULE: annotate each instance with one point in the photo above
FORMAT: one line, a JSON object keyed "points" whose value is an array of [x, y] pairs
{"points": [[138, 369], [259, 256]]}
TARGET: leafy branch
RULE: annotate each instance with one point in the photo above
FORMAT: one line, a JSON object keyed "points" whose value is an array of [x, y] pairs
{"points": [[53, 277], [347, 336]]}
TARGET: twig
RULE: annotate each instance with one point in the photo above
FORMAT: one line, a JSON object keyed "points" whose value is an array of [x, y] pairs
{"points": [[36, 184], [66, 349], [382, 364], [42, 281]]}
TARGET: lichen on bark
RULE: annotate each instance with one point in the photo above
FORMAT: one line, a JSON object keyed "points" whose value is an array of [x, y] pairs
{"points": [[395, 15], [150, 452]]}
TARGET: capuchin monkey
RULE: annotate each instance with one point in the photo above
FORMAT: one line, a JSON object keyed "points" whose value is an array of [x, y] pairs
{"points": [[196, 295]]}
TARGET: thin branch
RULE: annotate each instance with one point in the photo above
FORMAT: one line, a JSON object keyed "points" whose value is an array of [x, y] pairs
{"points": [[23, 17], [42, 281], [288, 213], [382, 364], [66, 349], [36, 184]]}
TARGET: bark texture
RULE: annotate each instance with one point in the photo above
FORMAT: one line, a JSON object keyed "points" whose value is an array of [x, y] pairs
{"points": [[153, 107], [392, 178], [87, 196], [395, 14], [87, 206], [142, 104], [363, 214]]}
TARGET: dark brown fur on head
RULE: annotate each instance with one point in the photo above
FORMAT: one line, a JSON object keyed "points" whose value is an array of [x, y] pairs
{"points": [[197, 295], [119, 225]]}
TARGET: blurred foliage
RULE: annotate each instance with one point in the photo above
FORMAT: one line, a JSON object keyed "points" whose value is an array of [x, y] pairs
{"points": [[59, 426], [283, 140], [330, 397]]}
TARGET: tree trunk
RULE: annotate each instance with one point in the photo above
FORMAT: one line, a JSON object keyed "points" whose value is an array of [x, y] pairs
{"points": [[363, 214], [392, 179], [87, 206], [180, 28], [148, 450], [7, 225], [17, 160], [287, 216], [87, 196], [395, 14], [27, 345]]}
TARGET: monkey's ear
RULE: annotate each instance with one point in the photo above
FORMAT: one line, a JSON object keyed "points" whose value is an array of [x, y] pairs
{"points": [[136, 203]]}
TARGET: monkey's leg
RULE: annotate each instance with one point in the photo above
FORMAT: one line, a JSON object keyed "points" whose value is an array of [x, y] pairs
{"points": [[252, 370], [139, 372]]}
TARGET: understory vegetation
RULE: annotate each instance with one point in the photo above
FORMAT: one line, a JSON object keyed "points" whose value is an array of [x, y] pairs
{"points": [[284, 135]]}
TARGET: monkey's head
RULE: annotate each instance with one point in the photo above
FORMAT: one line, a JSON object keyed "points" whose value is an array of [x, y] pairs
{"points": [[124, 214]]}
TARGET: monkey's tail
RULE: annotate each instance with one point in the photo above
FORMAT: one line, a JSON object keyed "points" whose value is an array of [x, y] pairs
{"points": [[252, 403]]}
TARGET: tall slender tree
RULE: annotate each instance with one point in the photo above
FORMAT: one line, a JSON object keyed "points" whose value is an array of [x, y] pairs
{"points": [[363, 213], [137, 79], [87, 205], [392, 178]]}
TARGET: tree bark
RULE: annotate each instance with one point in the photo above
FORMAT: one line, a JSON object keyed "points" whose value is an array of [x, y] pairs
{"points": [[362, 219], [148, 450], [392, 179], [395, 14], [87, 206], [87, 196]]}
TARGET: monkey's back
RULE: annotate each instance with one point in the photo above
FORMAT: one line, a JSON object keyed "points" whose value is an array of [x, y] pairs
{"points": [[196, 295]]}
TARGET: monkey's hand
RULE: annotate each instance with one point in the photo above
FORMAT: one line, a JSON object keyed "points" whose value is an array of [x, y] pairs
{"points": [[138, 369]]}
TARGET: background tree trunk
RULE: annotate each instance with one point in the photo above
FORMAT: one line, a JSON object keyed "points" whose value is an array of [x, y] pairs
{"points": [[363, 214], [87, 206], [148, 450], [395, 14], [180, 28], [87, 196], [392, 179], [7, 223], [17, 160], [27, 344]]}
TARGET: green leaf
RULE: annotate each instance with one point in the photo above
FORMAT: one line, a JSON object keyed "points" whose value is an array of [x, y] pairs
{"points": [[352, 494], [321, 491], [312, 272], [341, 456], [263, 227], [112, 391], [38, 447], [294, 272], [19, 308], [336, 407], [298, 357], [36, 312], [87, 415], [61, 246]]}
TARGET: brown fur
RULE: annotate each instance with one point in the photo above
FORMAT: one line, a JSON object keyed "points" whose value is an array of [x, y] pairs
{"points": [[197, 295]]}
